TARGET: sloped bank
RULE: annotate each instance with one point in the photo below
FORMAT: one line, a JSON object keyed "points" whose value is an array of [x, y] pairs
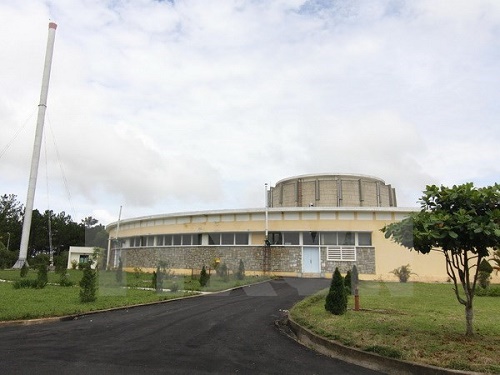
{"points": [[359, 357]]}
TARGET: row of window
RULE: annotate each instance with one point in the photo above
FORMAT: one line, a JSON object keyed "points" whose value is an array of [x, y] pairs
{"points": [[243, 238]]}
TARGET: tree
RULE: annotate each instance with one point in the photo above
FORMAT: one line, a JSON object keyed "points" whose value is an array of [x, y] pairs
{"points": [[240, 275], [461, 222], [88, 284], [336, 299], [204, 277]]}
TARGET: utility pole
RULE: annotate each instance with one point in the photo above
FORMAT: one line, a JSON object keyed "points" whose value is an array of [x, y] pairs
{"points": [[35, 159]]}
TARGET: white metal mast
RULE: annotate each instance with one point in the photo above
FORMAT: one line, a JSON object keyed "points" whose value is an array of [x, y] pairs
{"points": [[35, 159]]}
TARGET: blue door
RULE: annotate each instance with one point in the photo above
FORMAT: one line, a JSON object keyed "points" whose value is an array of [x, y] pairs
{"points": [[310, 260]]}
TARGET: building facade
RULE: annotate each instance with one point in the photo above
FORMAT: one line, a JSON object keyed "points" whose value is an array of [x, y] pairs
{"points": [[311, 225]]}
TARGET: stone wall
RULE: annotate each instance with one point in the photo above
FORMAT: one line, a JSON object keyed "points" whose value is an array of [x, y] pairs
{"points": [[281, 258]]}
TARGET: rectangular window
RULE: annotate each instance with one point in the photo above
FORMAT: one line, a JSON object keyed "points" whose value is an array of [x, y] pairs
{"points": [[177, 239], [329, 238], [159, 240], [241, 238], [291, 238], [341, 253], [84, 259], [196, 239], [214, 238], [310, 238], [275, 238], [168, 240], [227, 238], [186, 240], [346, 238], [150, 241], [364, 239]]}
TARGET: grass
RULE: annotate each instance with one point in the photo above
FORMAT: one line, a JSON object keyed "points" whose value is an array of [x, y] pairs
{"points": [[55, 300], [412, 321]]}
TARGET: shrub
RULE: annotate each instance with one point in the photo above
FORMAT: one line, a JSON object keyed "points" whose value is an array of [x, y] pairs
{"points": [[42, 278], [484, 275], [223, 272], [74, 264], [24, 270], [24, 283], [39, 260], [204, 277], [64, 281], [60, 262], [158, 278], [175, 287], [403, 273], [336, 299], [240, 274], [7, 257], [88, 284], [347, 282]]}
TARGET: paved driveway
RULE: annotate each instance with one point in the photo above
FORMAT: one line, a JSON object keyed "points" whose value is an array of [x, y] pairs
{"points": [[228, 333]]}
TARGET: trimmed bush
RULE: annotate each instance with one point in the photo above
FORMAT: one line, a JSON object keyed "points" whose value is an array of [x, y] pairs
{"points": [[240, 274], [347, 283], [42, 278], [224, 272], [88, 284], [336, 299], [484, 275], [119, 271], [204, 277], [24, 270]]}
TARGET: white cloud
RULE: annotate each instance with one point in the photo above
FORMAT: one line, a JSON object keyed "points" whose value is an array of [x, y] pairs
{"points": [[165, 106]]}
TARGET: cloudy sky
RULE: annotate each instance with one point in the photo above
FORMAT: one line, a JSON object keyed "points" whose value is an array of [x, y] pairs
{"points": [[186, 105]]}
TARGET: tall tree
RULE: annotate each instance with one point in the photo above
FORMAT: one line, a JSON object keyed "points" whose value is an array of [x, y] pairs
{"points": [[463, 223], [11, 221]]}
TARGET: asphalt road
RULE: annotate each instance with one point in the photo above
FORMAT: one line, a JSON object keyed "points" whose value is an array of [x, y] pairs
{"points": [[228, 333]]}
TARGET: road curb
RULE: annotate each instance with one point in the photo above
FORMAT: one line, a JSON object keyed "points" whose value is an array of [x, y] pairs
{"points": [[365, 359]]}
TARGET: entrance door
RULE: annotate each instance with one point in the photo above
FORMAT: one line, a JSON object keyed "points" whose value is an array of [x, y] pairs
{"points": [[310, 260]]}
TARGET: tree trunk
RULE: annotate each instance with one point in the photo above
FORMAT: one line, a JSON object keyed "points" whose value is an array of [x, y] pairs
{"points": [[469, 316]]}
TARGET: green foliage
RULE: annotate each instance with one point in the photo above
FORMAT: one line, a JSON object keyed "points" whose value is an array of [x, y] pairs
{"points": [[336, 299], [496, 261], [402, 273], [204, 277], [240, 274], [485, 266], [347, 282], [64, 280], [384, 351], [484, 274], [42, 278], [25, 283], [488, 292], [60, 262], [7, 258], [463, 222], [24, 270], [74, 264], [88, 284], [158, 278], [223, 272], [40, 259]]}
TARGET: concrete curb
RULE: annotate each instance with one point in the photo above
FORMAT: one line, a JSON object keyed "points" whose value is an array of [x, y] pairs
{"points": [[365, 359]]}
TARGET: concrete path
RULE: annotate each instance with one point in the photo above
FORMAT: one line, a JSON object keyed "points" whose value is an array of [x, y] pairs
{"points": [[227, 333]]}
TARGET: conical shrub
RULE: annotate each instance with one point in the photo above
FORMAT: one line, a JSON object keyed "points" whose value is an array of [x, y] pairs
{"points": [[336, 299]]}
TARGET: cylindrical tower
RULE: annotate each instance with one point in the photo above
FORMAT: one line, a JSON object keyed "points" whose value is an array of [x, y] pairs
{"points": [[332, 190]]}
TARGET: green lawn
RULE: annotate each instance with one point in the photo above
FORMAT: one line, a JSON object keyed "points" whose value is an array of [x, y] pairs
{"points": [[54, 300], [412, 321]]}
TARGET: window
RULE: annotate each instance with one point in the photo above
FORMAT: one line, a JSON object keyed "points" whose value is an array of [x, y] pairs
{"points": [[177, 239], [84, 259], [214, 238], [364, 239], [329, 238], [241, 238], [291, 238], [346, 238], [168, 240], [150, 241], [275, 238], [159, 240], [186, 239], [310, 238], [227, 239], [196, 239], [341, 253]]}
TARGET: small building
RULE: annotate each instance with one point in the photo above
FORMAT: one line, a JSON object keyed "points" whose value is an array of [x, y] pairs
{"points": [[310, 225], [79, 255]]}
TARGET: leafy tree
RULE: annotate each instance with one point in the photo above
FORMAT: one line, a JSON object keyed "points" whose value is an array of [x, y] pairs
{"points": [[42, 278], [336, 299], [461, 222], [11, 222], [88, 284]]}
